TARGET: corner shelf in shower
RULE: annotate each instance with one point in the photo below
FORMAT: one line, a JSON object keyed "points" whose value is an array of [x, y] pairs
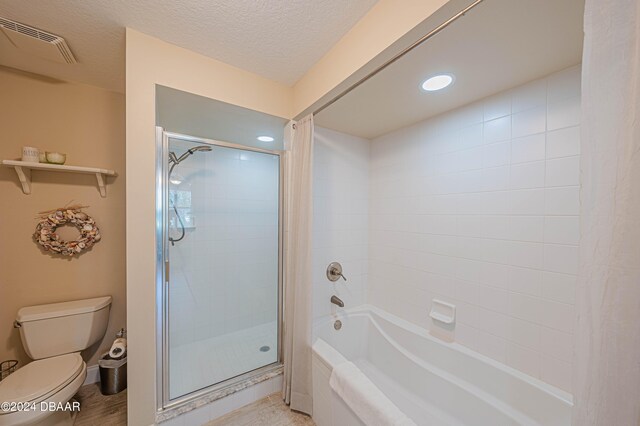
{"points": [[23, 170]]}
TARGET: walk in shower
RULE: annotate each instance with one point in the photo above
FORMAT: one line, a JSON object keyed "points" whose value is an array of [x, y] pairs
{"points": [[219, 264]]}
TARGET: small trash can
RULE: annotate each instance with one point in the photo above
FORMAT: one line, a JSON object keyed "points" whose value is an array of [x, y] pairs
{"points": [[7, 367], [113, 374]]}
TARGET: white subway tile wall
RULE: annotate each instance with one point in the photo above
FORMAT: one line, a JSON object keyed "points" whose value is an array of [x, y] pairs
{"points": [[341, 218], [225, 271], [479, 207], [223, 292]]}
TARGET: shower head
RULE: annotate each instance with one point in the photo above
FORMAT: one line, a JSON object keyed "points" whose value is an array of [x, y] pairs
{"points": [[175, 160], [203, 148]]}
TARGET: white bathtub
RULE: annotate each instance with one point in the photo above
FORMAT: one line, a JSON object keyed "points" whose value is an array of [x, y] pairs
{"points": [[432, 382]]}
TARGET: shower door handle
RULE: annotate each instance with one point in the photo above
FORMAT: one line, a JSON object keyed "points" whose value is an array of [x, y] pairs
{"points": [[167, 269]]}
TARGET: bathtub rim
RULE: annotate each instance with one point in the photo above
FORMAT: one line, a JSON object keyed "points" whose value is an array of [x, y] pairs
{"points": [[370, 311]]}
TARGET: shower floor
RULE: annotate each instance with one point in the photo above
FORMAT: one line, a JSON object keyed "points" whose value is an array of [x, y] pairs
{"points": [[202, 363]]}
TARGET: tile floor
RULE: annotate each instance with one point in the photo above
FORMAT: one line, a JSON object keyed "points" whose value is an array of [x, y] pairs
{"points": [[270, 411]]}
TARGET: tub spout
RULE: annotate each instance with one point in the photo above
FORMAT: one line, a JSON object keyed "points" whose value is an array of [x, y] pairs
{"points": [[336, 301]]}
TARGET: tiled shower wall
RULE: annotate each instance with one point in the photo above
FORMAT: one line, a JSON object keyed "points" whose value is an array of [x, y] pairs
{"points": [[224, 273], [479, 207], [341, 212]]}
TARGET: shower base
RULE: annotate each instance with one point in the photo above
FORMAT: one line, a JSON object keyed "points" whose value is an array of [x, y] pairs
{"points": [[197, 365]]}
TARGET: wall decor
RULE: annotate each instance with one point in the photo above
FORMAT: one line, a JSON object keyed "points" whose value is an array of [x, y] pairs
{"points": [[50, 220]]}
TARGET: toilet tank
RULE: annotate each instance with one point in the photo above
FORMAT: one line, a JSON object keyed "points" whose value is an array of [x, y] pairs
{"points": [[61, 328]]}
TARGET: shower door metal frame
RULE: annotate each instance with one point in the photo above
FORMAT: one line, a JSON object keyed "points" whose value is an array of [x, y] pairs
{"points": [[163, 265]]}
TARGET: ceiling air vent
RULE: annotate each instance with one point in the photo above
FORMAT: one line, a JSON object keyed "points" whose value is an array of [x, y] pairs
{"points": [[37, 42]]}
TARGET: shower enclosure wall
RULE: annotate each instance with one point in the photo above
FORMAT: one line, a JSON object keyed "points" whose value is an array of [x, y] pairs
{"points": [[219, 264]]}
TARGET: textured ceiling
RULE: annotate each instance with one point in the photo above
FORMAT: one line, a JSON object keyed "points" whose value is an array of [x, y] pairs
{"points": [[498, 45], [277, 39]]}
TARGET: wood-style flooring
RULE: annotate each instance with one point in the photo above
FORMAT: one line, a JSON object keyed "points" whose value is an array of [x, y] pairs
{"points": [[98, 409]]}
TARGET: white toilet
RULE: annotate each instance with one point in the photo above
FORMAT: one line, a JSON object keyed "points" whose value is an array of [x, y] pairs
{"points": [[53, 336]]}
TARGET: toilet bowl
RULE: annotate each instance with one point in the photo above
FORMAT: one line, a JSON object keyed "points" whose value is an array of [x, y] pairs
{"points": [[41, 392]]}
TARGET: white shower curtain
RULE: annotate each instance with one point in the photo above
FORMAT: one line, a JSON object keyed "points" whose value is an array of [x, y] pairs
{"points": [[297, 390], [607, 351]]}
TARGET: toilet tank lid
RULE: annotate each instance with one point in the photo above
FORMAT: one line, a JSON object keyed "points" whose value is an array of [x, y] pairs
{"points": [[63, 309]]}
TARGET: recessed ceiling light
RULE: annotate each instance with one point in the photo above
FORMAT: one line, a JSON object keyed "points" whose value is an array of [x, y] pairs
{"points": [[437, 82], [265, 138]]}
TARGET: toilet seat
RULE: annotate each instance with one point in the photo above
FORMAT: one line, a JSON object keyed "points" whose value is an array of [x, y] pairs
{"points": [[40, 379], [64, 381]]}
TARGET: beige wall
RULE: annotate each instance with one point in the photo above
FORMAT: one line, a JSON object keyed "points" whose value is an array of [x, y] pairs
{"points": [[150, 62], [368, 44], [87, 123], [384, 31]]}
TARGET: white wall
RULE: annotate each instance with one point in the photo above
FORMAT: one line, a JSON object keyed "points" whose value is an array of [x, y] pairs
{"points": [[224, 273], [223, 296], [479, 207], [340, 218]]}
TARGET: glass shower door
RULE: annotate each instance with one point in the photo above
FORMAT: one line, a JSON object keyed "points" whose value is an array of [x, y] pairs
{"points": [[222, 245]]}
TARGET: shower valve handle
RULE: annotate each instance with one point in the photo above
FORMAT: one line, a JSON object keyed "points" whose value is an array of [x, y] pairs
{"points": [[334, 272]]}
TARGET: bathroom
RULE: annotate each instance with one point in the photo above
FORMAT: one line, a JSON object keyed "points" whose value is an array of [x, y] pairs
{"points": [[331, 213]]}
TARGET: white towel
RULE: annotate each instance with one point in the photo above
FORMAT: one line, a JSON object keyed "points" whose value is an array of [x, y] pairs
{"points": [[364, 398]]}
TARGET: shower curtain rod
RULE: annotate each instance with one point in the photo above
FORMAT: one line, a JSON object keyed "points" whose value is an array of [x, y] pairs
{"points": [[417, 43]]}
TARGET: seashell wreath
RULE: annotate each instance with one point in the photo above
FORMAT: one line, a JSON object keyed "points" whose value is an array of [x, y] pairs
{"points": [[46, 236]]}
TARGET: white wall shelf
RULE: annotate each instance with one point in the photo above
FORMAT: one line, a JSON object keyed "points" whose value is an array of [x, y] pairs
{"points": [[23, 170]]}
